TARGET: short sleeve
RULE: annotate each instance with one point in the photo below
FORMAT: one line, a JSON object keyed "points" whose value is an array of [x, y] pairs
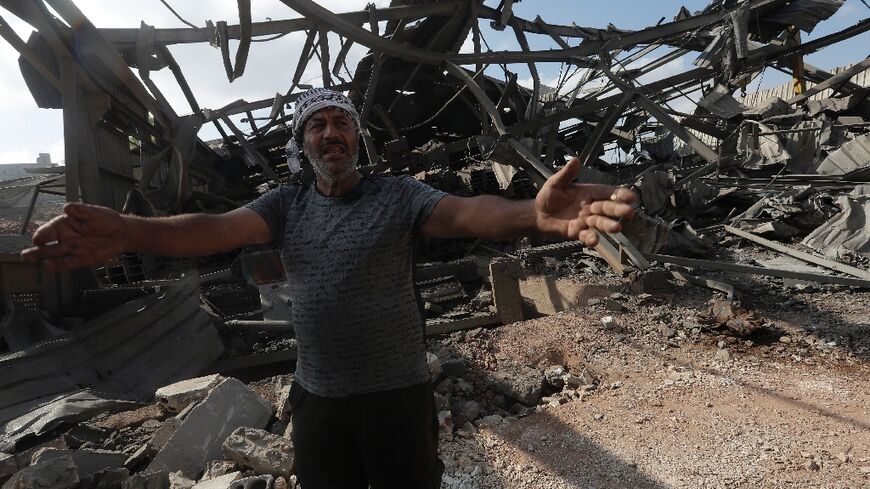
{"points": [[273, 208], [419, 198]]}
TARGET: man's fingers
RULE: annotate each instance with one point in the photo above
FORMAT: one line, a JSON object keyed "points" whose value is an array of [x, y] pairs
{"points": [[595, 191], [604, 224], [622, 194], [611, 208], [589, 237], [568, 172]]}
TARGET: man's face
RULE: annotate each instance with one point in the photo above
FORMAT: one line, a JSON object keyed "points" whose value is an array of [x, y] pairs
{"points": [[331, 143]]}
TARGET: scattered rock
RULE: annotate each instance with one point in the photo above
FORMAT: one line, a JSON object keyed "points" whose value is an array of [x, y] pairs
{"points": [[54, 473], [175, 397], [555, 376], [260, 450], [227, 407], [490, 421], [722, 356], [219, 468], [87, 462], [434, 365], [220, 482], [470, 410], [177, 480]]}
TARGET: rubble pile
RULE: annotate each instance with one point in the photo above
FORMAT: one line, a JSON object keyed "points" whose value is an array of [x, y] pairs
{"points": [[757, 198]]}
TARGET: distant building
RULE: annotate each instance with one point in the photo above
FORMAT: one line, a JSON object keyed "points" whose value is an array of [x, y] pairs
{"points": [[12, 171]]}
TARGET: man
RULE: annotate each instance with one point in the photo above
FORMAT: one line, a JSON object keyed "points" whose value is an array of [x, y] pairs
{"points": [[363, 408]]}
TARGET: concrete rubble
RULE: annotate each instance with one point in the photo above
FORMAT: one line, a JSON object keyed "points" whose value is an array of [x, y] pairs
{"points": [[741, 192]]}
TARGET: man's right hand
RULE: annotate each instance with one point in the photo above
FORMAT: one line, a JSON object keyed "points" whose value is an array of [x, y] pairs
{"points": [[83, 236]]}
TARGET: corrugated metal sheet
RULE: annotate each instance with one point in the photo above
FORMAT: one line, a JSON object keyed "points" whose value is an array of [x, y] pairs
{"points": [[125, 354], [852, 156], [805, 14]]}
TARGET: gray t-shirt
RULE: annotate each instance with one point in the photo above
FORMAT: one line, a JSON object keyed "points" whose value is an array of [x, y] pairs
{"points": [[349, 269]]}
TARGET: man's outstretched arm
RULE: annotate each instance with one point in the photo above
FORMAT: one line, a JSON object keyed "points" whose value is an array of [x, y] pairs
{"points": [[88, 235], [562, 208]]}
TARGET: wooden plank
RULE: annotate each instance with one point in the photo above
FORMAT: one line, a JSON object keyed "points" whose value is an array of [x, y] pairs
{"points": [[506, 290], [800, 255], [770, 272], [434, 328]]}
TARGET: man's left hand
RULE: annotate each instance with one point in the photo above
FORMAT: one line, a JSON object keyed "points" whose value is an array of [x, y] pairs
{"points": [[576, 211]]}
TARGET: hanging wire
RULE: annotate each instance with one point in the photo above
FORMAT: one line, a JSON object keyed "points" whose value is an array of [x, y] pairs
{"points": [[176, 14], [276, 36]]}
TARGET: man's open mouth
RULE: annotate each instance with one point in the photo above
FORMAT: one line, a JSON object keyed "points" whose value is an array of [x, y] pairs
{"points": [[334, 149]]}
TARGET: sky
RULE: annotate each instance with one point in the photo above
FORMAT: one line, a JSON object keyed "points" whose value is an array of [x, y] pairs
{"points": [[26, 130]]}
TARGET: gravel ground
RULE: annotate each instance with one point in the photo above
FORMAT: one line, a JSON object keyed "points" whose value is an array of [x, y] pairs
{"points": [[679, 404]]}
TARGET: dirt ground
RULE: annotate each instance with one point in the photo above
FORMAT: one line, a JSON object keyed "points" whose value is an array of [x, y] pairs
{"points": [[682, 405]]}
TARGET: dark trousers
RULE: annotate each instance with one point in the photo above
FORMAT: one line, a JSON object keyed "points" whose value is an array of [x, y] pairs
{"points": [[384, 439]]}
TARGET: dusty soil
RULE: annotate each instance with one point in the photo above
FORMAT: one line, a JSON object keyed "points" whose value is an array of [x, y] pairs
{"points": [[679, 404]]}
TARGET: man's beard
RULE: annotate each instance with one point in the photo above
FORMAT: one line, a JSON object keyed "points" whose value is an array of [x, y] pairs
{"points": [[321, 168]]}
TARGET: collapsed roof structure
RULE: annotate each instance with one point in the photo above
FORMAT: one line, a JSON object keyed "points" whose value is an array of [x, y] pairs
{"points": [[777, 165]]}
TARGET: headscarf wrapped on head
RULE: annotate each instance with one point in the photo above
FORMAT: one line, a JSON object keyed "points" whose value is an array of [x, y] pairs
{"points": [[316, 99]]}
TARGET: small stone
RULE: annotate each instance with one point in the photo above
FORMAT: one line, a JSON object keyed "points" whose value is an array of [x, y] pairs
{"points": [[865, 469], [470, 410], [608, 322], [440, 402], [593, 302], [613, 305], [434, 365], [721, 344], [445, 423], [709, 404], [811, 465], [785, 339], [598, 417], [491, 421], [445, 387], [554, 376], [722, 356]]}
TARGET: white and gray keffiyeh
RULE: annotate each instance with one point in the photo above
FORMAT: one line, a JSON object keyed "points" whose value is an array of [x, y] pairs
{"points": [[316, 99]]}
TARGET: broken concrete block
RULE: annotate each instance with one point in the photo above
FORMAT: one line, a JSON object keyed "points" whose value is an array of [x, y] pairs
{"points": [[88, 462], [55, 473], [253, 482], [218, 468], [230, 405], [157, 480], [260, 450], [177, 480], [8, 465], [503, 275], [219, 482], [282, 405], [137, 458], [106, 479], [177, 396], [164, 433]]}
